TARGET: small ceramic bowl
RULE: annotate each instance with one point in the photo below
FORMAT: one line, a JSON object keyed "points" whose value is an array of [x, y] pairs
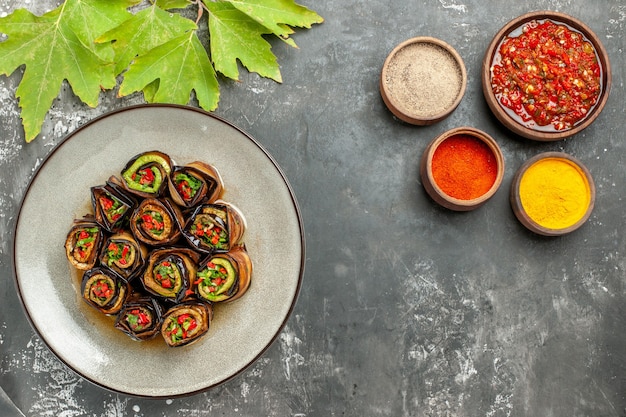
{"points": [[462, 168], [423, 80], [537, 129], [552, 194]]}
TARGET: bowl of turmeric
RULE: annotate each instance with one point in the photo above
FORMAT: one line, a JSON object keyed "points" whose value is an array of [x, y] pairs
{"points": [[462, 168], [552, 194]]}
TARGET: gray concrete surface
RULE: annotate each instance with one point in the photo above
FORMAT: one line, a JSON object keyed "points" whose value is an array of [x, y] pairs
{"points": [[406, 309]]}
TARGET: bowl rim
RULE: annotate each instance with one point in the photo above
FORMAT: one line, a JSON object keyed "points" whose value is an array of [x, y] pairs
{"points": [[392, 104], [433, 188], [521, 214], [514, 125]]}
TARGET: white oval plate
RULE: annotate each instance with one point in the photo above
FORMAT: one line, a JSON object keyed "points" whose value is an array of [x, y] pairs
{"points": [[83, 338]]}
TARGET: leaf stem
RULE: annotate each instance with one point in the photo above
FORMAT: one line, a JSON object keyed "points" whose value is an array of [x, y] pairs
{"points": [[201, 8]]}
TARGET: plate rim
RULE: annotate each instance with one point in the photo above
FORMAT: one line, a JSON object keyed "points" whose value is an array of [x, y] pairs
{"points": [[202, 112]]}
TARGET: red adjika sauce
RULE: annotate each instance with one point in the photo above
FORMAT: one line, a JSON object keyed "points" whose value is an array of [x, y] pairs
{"points": [[548, 76]]}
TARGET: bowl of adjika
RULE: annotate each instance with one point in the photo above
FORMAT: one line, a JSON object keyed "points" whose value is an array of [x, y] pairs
{"points": [[423, 80], [546, 76]]}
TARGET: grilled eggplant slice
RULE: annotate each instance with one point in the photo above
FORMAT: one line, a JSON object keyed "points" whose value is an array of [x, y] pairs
{"points": [[215, 228], [170, 272], [186, 323], [140, 317], [155, 222], [111, 206], [224, 276], [195, 183], [146, 174], [124, 254], [83, 242], [104, 290]]}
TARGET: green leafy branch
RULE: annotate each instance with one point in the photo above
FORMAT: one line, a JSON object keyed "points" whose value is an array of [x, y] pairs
{"points": [[156, 50]]}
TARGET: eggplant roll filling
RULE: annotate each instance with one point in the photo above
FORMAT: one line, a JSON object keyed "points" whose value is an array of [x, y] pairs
{"points": [[83, 243], [166, 278], [123, 254], [224, 277], [210, 231], [186, 323], [140, 319], [188, 186], [154, 224], [215, 228], [195, 183], [146, 174], [104, 290], [120, 254], [111, 207], [218, 280], [169, 273]]}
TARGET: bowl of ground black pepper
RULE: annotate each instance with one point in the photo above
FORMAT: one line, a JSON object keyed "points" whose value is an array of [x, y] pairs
{"points": [[462, 168], [552, 194], [423, 80], [546, 76]]}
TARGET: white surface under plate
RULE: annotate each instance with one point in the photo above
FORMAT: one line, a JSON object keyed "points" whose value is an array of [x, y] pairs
{"points": [[83, 338]]}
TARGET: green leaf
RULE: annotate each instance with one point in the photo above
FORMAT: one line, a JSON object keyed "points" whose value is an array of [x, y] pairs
{"points": [[236, 36], [147, 29], [279, 16], [181, 66], [58, 46], [173, 4], [89, 18], [89, 43]]}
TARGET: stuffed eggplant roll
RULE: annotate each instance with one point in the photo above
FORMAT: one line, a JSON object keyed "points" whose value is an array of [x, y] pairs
{"points": [[146, 174], [140, 317], [111, 206], [83, 243], [124, 254], [195, 183], [215, 227], [224, 276], [170, 272], [155, 222], [186, 323], [104, 290]]}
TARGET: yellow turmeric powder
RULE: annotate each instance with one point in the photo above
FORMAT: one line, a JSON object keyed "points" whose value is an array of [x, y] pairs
{"points": [[555, 193]]}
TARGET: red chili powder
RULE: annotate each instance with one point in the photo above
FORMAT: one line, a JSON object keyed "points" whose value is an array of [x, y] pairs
{"points": [[464, 167]]}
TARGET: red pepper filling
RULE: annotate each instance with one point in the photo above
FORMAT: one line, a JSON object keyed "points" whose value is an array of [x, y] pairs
{"points": [[548, 75], [209, 232], [212, 277], [112, 208], [138, 319], [84, 243], [179, 327], [152, 222], [118, 252], [101, 290], [144, 176], [187, 186], [165, 274]]}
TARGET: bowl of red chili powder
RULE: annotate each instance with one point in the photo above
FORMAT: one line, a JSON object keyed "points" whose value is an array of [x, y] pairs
{"points": [[462, 168], [546, 76]]}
